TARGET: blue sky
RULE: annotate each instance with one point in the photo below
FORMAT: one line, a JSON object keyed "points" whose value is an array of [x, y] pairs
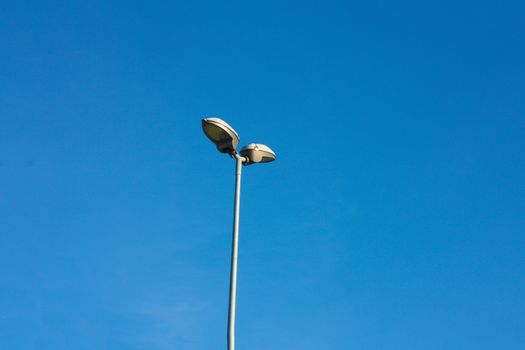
{"points": [[393, 218]]}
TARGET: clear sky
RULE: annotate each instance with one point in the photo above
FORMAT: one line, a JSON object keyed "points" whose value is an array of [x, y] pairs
{"points": [[393, 217]]}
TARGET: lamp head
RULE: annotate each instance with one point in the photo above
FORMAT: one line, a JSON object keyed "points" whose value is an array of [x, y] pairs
{"points": [[257, 153], [221, 134]]}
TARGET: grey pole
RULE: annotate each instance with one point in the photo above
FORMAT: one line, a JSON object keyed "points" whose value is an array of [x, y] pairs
{"points": [[235, 247], [226, 140]]}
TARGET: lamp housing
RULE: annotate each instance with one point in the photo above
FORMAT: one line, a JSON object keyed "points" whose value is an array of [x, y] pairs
{"points": [[221, 134], [257, 153]]}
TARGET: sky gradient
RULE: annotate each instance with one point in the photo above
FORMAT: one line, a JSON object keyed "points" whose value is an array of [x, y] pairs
{"points": [[393, 217]]}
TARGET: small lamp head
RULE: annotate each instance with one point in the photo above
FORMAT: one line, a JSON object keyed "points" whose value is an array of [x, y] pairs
{"points": [[257, 153]]}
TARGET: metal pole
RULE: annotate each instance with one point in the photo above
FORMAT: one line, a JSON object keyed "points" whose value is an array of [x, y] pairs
{"points": [[235, 247]]}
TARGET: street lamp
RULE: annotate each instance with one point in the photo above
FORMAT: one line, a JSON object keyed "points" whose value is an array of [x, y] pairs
{"points": [[227, 140]]}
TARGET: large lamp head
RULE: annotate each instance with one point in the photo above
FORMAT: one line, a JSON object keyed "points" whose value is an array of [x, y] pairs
{"points": [[257, 153], [221, 134]]}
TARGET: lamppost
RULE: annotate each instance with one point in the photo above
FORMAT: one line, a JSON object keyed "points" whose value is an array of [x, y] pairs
{"points": [[227, 140]]}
